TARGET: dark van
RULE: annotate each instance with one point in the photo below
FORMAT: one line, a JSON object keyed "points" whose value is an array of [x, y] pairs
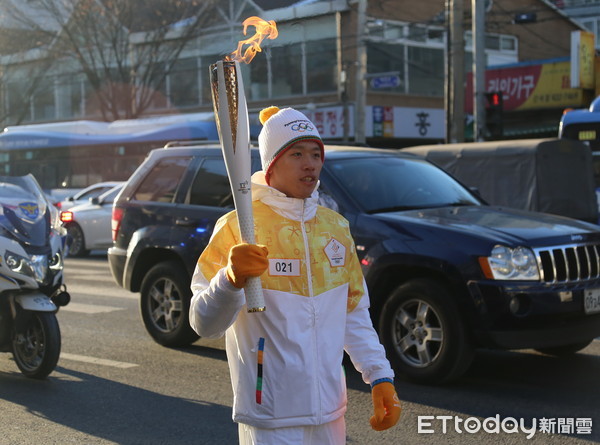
{"points": [[542, 175]]}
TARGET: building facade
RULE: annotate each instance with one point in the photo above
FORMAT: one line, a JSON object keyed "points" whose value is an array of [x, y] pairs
{"points": [[355, 67]]}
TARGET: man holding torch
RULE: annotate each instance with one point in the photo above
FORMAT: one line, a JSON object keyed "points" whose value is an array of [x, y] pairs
{"points": [[286, 362]]}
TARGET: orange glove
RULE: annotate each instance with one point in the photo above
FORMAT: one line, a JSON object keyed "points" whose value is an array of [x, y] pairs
{"points": [[387, 406], [245, 261]]}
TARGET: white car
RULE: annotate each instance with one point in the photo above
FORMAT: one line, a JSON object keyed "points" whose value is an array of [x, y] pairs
{"points": [[89, 224], [83, 196]]}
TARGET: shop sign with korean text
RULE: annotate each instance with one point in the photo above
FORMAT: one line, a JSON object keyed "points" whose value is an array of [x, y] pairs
{"points": [[405, 122], [530, 86]]}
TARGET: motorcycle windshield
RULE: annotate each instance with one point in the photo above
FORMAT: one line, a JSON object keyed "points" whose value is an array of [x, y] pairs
{"points": [[24, 213]]}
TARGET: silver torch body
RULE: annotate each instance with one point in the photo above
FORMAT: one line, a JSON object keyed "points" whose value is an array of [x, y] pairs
{"points": [[231, 115]]}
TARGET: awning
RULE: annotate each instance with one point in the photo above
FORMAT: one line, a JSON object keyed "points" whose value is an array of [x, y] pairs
{"points": [[530, 131]]}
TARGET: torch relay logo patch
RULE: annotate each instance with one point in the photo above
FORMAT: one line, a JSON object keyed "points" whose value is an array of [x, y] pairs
{"points": [[336, 253]]}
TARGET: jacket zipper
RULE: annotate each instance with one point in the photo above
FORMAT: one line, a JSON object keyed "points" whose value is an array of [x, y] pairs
{"points": [[314, 314], [306, 252]]}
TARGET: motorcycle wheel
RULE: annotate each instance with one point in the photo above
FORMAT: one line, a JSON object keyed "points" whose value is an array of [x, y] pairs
{"points": [[36, 349]]}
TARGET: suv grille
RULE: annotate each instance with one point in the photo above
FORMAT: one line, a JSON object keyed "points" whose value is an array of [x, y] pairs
{"points": [[569, 263]]}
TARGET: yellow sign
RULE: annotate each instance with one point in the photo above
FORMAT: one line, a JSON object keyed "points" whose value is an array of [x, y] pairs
{"points": [[582, 59], [597, 83], [551, 89]]}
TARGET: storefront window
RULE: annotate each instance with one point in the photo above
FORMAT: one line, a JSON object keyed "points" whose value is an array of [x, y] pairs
{"points": [[425, 71], [158, 87], [492, 41], [386, 59], [508, 43], [259, 77], [69, 96], [321, 67], [286, 69], [76, 97], [90, 99], [17, 103], [43, 100], [183, 83], [417, 33]]}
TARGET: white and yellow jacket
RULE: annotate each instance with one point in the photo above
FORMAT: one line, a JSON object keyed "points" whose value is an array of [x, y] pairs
{"points": [[286, 362]]}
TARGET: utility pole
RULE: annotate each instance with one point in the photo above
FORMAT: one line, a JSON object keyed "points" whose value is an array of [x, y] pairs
{"points": [[478, 30], [455, 73], [361, 74], [342, 76]]}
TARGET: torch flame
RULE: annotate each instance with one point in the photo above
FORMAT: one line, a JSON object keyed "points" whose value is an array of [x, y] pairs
{"points": [[263, 29]]}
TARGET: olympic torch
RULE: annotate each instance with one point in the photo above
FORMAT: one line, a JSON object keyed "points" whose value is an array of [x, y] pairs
{"points": [[231, 115]]}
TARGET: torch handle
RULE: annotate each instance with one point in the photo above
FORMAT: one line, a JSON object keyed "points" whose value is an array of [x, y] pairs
{"points": [[253, 288], [254, 295]]}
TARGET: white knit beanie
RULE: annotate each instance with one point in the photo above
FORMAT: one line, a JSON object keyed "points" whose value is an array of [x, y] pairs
{"points": [[282, 129]]}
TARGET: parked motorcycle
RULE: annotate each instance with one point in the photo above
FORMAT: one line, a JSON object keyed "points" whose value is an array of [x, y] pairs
{"points": [[32, 248]]}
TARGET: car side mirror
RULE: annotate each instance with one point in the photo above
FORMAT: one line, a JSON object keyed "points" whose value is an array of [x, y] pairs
{"points": [[478, 194], [70, 198], [475, 191], [95, 200]]}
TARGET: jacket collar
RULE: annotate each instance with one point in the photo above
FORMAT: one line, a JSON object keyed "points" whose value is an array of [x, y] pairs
{"points": [[291, 208]]}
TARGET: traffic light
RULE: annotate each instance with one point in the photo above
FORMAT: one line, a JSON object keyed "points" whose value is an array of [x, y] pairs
{"points": [[493, 114]]}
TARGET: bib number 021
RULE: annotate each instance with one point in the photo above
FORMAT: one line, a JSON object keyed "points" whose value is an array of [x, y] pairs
{"points": [[284, 267]]}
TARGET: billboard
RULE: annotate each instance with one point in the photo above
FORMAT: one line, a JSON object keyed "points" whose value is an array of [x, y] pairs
{"points": [[530, 86]]}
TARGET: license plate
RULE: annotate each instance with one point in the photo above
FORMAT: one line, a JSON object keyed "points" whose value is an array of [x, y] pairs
{"points": [[591, 301]]}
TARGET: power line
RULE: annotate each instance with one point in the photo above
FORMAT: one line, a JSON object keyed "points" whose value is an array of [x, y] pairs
{"points": [[534, 33]]}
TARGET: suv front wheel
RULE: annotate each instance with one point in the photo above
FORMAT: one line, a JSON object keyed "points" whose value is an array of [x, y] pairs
{"points": [[423, 333], [165, 304]]}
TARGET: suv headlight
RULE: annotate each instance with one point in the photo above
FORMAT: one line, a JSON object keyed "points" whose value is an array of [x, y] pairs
{"points": [[35, 267], [506, 263]]}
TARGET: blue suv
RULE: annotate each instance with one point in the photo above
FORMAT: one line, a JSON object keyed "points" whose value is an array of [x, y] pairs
{"points": [[446, 272]]}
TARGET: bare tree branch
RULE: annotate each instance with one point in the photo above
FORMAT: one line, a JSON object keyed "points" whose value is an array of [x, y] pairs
{"points": [[125, 48]]}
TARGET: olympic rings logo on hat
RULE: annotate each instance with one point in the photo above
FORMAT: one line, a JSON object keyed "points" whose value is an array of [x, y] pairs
{"points": [[302, 127]]}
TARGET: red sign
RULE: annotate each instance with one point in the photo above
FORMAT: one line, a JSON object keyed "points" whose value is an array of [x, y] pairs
{"points": [[529, 87]]}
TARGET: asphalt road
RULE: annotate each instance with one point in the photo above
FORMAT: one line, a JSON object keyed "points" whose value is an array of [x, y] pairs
{"points": [[114, 385]]}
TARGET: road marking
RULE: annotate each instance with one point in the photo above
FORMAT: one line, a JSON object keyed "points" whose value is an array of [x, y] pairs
{"points": [[88, 289], [89, 308], [96, 361], [90, 277], [86, 264]]}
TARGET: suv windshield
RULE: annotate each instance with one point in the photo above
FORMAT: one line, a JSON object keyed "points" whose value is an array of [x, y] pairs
{"points": [[388, 183]]}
